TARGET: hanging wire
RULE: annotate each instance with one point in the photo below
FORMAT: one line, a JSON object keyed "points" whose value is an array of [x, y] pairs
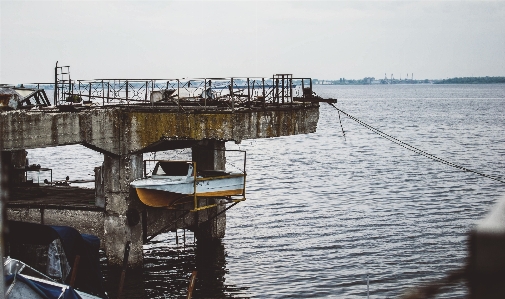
{"points": [[414, 149], [342, 127]]}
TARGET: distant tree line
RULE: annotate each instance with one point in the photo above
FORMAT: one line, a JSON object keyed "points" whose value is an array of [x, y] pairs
{"points": [[471, 80]]}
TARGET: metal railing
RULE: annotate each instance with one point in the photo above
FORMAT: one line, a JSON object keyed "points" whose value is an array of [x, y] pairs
{"points": [[225, 93]]}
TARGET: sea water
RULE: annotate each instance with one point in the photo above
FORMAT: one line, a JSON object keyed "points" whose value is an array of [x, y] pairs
{"points": [[323, 211]]}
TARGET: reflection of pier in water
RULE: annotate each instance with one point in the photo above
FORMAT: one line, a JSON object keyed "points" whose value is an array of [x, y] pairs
{"points": [[168, 262]]}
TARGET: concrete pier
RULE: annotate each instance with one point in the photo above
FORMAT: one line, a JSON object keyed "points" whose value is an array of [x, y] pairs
{"points": [[123, 134]]}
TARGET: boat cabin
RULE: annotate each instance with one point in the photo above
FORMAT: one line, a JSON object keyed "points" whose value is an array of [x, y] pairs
{"points": [[174, 169]]}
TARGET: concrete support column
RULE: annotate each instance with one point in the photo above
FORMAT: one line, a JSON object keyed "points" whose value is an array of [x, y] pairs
{"points": [[15, 160], [122, 214], [210, 155]]}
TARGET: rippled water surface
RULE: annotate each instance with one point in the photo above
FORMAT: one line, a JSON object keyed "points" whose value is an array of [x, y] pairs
{"points": [[323, 211]]}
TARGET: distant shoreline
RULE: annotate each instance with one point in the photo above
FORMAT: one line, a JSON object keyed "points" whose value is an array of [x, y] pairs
{"points": [[373, 81]]}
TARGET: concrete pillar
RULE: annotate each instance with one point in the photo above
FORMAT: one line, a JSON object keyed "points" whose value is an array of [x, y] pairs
{"points": [[210, 155], [210, 262], [99, 188], [15, 160], [122, 213]]}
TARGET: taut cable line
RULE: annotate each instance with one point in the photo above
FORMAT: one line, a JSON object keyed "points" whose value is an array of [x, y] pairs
{"points": [[412, 148]]}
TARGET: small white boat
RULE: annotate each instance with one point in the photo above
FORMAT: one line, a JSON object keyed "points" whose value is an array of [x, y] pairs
{"points": [[173, 182]]}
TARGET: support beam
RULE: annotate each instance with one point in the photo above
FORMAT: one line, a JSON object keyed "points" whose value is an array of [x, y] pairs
{"points": [[120, 223]]}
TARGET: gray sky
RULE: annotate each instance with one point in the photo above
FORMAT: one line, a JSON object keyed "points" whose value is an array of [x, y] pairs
{"points": [[318, 39]]}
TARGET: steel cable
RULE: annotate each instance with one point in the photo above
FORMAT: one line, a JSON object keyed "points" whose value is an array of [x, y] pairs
{"points": [[414, 149]]}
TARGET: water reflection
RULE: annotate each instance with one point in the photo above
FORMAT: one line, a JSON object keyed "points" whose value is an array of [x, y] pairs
{"points": [[170, 259]]}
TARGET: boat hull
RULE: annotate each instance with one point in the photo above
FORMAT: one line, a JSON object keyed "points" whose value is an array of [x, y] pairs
{"points": [[165, 193]]}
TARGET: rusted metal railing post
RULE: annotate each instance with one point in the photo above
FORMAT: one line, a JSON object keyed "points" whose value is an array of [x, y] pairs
{"points": [[127, 101], [147, 90], [232, 96], [264, 95], [248, 91], [55, 100]]}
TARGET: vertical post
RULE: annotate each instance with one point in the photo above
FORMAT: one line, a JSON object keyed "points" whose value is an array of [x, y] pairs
{"points": [[291, 89], [70, 89], [89, 92], [103, 98], [248, 91], [245, 173], [194, 186], [205, 93], [126, 81], [264, 97], [231, 96], [277, 90], [108, 92], [55, 84], [144, 226], [282, 83], [147, 90], [367, 287]]}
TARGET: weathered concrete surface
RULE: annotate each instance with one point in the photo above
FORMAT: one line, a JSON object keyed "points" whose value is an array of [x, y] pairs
{"points": [[118, 173], [122, 133], [122, 130], [210, 155]]}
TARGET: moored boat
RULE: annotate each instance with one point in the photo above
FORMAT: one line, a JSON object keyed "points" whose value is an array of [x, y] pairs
{"points": [[173, 182], [45, 261]]}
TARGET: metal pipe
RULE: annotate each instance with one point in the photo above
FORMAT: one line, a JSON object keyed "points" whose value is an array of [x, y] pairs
{"points": [[264, 96], [101, 94], [127, 101], [291, 89], [231, 96], [70, 89], [248, 91], [194, 185], [283, 79], [147, 90]]}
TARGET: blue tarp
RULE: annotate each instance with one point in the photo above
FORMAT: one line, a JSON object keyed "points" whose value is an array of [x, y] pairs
{"points": [[45, 290], [89, 278]]}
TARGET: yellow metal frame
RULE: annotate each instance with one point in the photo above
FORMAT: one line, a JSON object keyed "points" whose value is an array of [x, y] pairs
{"points": [[195, 196]]}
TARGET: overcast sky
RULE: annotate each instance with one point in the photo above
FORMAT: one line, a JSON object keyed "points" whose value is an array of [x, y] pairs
{"points": [[318, 39]]}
